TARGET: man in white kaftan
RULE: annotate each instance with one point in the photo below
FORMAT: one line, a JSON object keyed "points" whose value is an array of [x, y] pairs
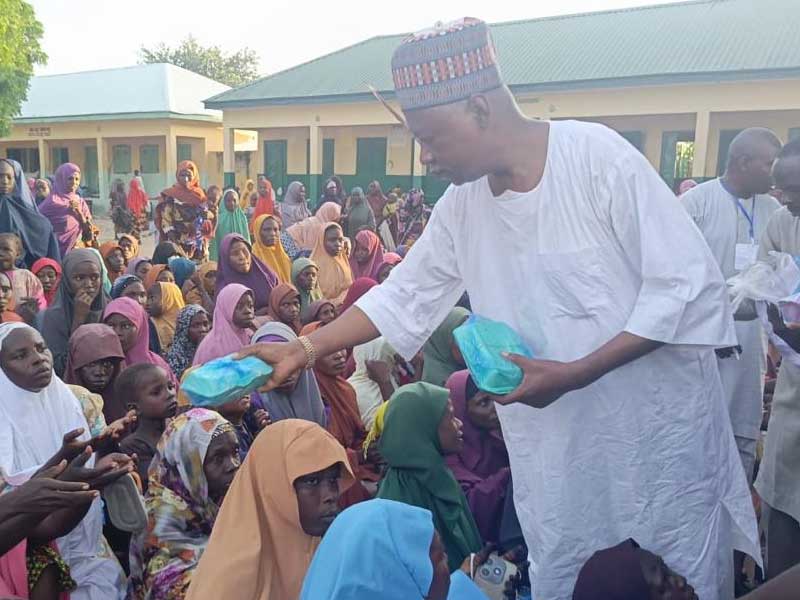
{"points": [[565, 232], [732, 213]]}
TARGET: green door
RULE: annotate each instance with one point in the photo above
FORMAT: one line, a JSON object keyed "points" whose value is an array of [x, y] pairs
{"points": [[275, 165], [677, 155], [89, 172], [370, 160], [328, 149]]}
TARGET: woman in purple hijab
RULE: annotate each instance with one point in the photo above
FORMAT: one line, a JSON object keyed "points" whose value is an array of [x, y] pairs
{"points": [[482, 467], [237, 264], [66, 210]]}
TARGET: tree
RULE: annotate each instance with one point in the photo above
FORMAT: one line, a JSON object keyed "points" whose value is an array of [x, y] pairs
{"points": [[231, 69], [20, 51]]}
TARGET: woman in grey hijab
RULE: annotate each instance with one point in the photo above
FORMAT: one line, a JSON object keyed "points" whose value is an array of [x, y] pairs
{"points": [[299, 397], [81, 299], [294, 207]]}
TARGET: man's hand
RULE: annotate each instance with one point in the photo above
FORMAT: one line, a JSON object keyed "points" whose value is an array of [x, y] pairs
{"points": [[285, 359], [543, 381]]}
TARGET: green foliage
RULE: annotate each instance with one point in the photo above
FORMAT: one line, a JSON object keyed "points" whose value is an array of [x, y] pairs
{"points": [[231, 69], [20, 51]]}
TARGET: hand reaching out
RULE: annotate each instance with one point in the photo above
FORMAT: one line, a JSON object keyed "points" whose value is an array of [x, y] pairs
{"points": [[262, 418], [44, 493]]}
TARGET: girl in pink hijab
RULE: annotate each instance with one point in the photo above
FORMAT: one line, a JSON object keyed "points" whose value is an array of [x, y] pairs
{"points": [[367, 255], [129, 321], [65, 209], [233, 321]]}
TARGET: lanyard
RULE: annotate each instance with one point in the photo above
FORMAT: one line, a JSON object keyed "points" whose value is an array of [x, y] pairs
{"points": [[751, 218]]}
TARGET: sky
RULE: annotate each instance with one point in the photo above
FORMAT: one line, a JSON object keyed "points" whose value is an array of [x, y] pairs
{"points": [[96, 34]]}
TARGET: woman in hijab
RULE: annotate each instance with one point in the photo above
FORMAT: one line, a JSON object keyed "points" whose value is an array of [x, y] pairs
{"points": [[195, 462], [158, 274], [80, 299], [7, 302], [265, 204], [129, 246], [267, 246], [164, 302], [182, 269], [233, 320], [41, 190], [113, 259], [103, 269], [371, 389], [121, 216], [137, 205], [376, 199], [238, 265], [130, 286], [305, 277], [419, 430], [298, 397], [359, 215], [367, 255], [201, 287], [66, 210], [333, 191], [36, 410], [294, 207], [19, 215], [277, 509], [335, 277], [230, 219], [129, 321], [193, 326], [481, 467], [323, 311], [442, 356], [139, 266], [49, 273], [284, 306], [344, 420], [388, 550], [307, 232], [183, 215], [243, 196], [95, 360]]}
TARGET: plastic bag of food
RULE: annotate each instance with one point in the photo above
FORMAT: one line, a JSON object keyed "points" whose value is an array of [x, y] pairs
{"points": [[482, 342], [225, 379], [770, 280]]}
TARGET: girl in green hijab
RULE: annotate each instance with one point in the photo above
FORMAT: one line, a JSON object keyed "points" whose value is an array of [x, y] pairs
{"points": [[419, 429], [231, 219], [442, 356], [305, 274]]}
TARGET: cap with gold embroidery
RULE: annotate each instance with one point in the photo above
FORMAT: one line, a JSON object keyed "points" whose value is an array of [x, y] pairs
{"points": [[445, 64]]}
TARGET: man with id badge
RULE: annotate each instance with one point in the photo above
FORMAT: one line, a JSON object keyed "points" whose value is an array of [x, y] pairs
{"points": [[732, 212]]}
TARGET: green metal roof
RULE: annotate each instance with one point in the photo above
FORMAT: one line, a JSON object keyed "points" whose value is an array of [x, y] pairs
{"points": [[688, 41]]}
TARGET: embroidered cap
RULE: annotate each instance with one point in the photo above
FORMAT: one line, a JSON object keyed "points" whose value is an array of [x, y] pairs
{"points": [[445, 64]]}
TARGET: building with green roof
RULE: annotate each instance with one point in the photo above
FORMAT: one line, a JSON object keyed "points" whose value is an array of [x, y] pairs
{"points": [[677, 80]]}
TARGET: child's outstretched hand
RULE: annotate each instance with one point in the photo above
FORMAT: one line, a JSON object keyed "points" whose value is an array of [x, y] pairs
{"points": [[262, 418]]}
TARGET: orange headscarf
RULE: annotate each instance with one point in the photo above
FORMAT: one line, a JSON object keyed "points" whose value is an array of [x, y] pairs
{"points": [[152, 275], [274, 257], [335, 277], [137, 199], [244, 196], [278, 294], [266, 203], [191, 194], [257, 541], [106, 248], [307, 232]]}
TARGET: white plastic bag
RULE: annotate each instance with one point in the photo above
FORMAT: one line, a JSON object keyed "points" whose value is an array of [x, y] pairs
{"points": [[771, 280]]}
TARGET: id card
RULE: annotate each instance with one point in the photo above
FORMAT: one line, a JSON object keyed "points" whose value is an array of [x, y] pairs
{"points": [[745, 256]]}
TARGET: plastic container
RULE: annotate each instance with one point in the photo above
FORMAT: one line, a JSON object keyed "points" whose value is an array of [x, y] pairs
{"points": [[482, 342], [225, 379]]}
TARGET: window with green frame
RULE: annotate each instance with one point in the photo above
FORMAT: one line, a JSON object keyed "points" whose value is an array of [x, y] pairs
{"points": [[148, 159], [636, 138], [121, 158], [27, 157], [58, 156], [184, 152]]}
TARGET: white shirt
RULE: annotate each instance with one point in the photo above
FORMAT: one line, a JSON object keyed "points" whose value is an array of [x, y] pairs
{"points": [[600, 246], [724, 226]]}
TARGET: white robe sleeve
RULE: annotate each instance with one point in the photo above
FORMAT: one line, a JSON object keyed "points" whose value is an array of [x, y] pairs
{"points": [[420, 291], [683, 297]]}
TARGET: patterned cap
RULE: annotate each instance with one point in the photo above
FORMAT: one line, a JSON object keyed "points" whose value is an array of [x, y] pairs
{"points": [[445, 64]]}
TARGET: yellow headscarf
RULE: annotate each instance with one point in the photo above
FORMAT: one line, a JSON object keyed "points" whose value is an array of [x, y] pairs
{"points": [[171, 304], [244, 197], [335, 277], [274, 257]]}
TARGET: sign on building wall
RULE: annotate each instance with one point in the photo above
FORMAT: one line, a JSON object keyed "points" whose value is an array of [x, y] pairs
{"points": [[38, 132]]}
